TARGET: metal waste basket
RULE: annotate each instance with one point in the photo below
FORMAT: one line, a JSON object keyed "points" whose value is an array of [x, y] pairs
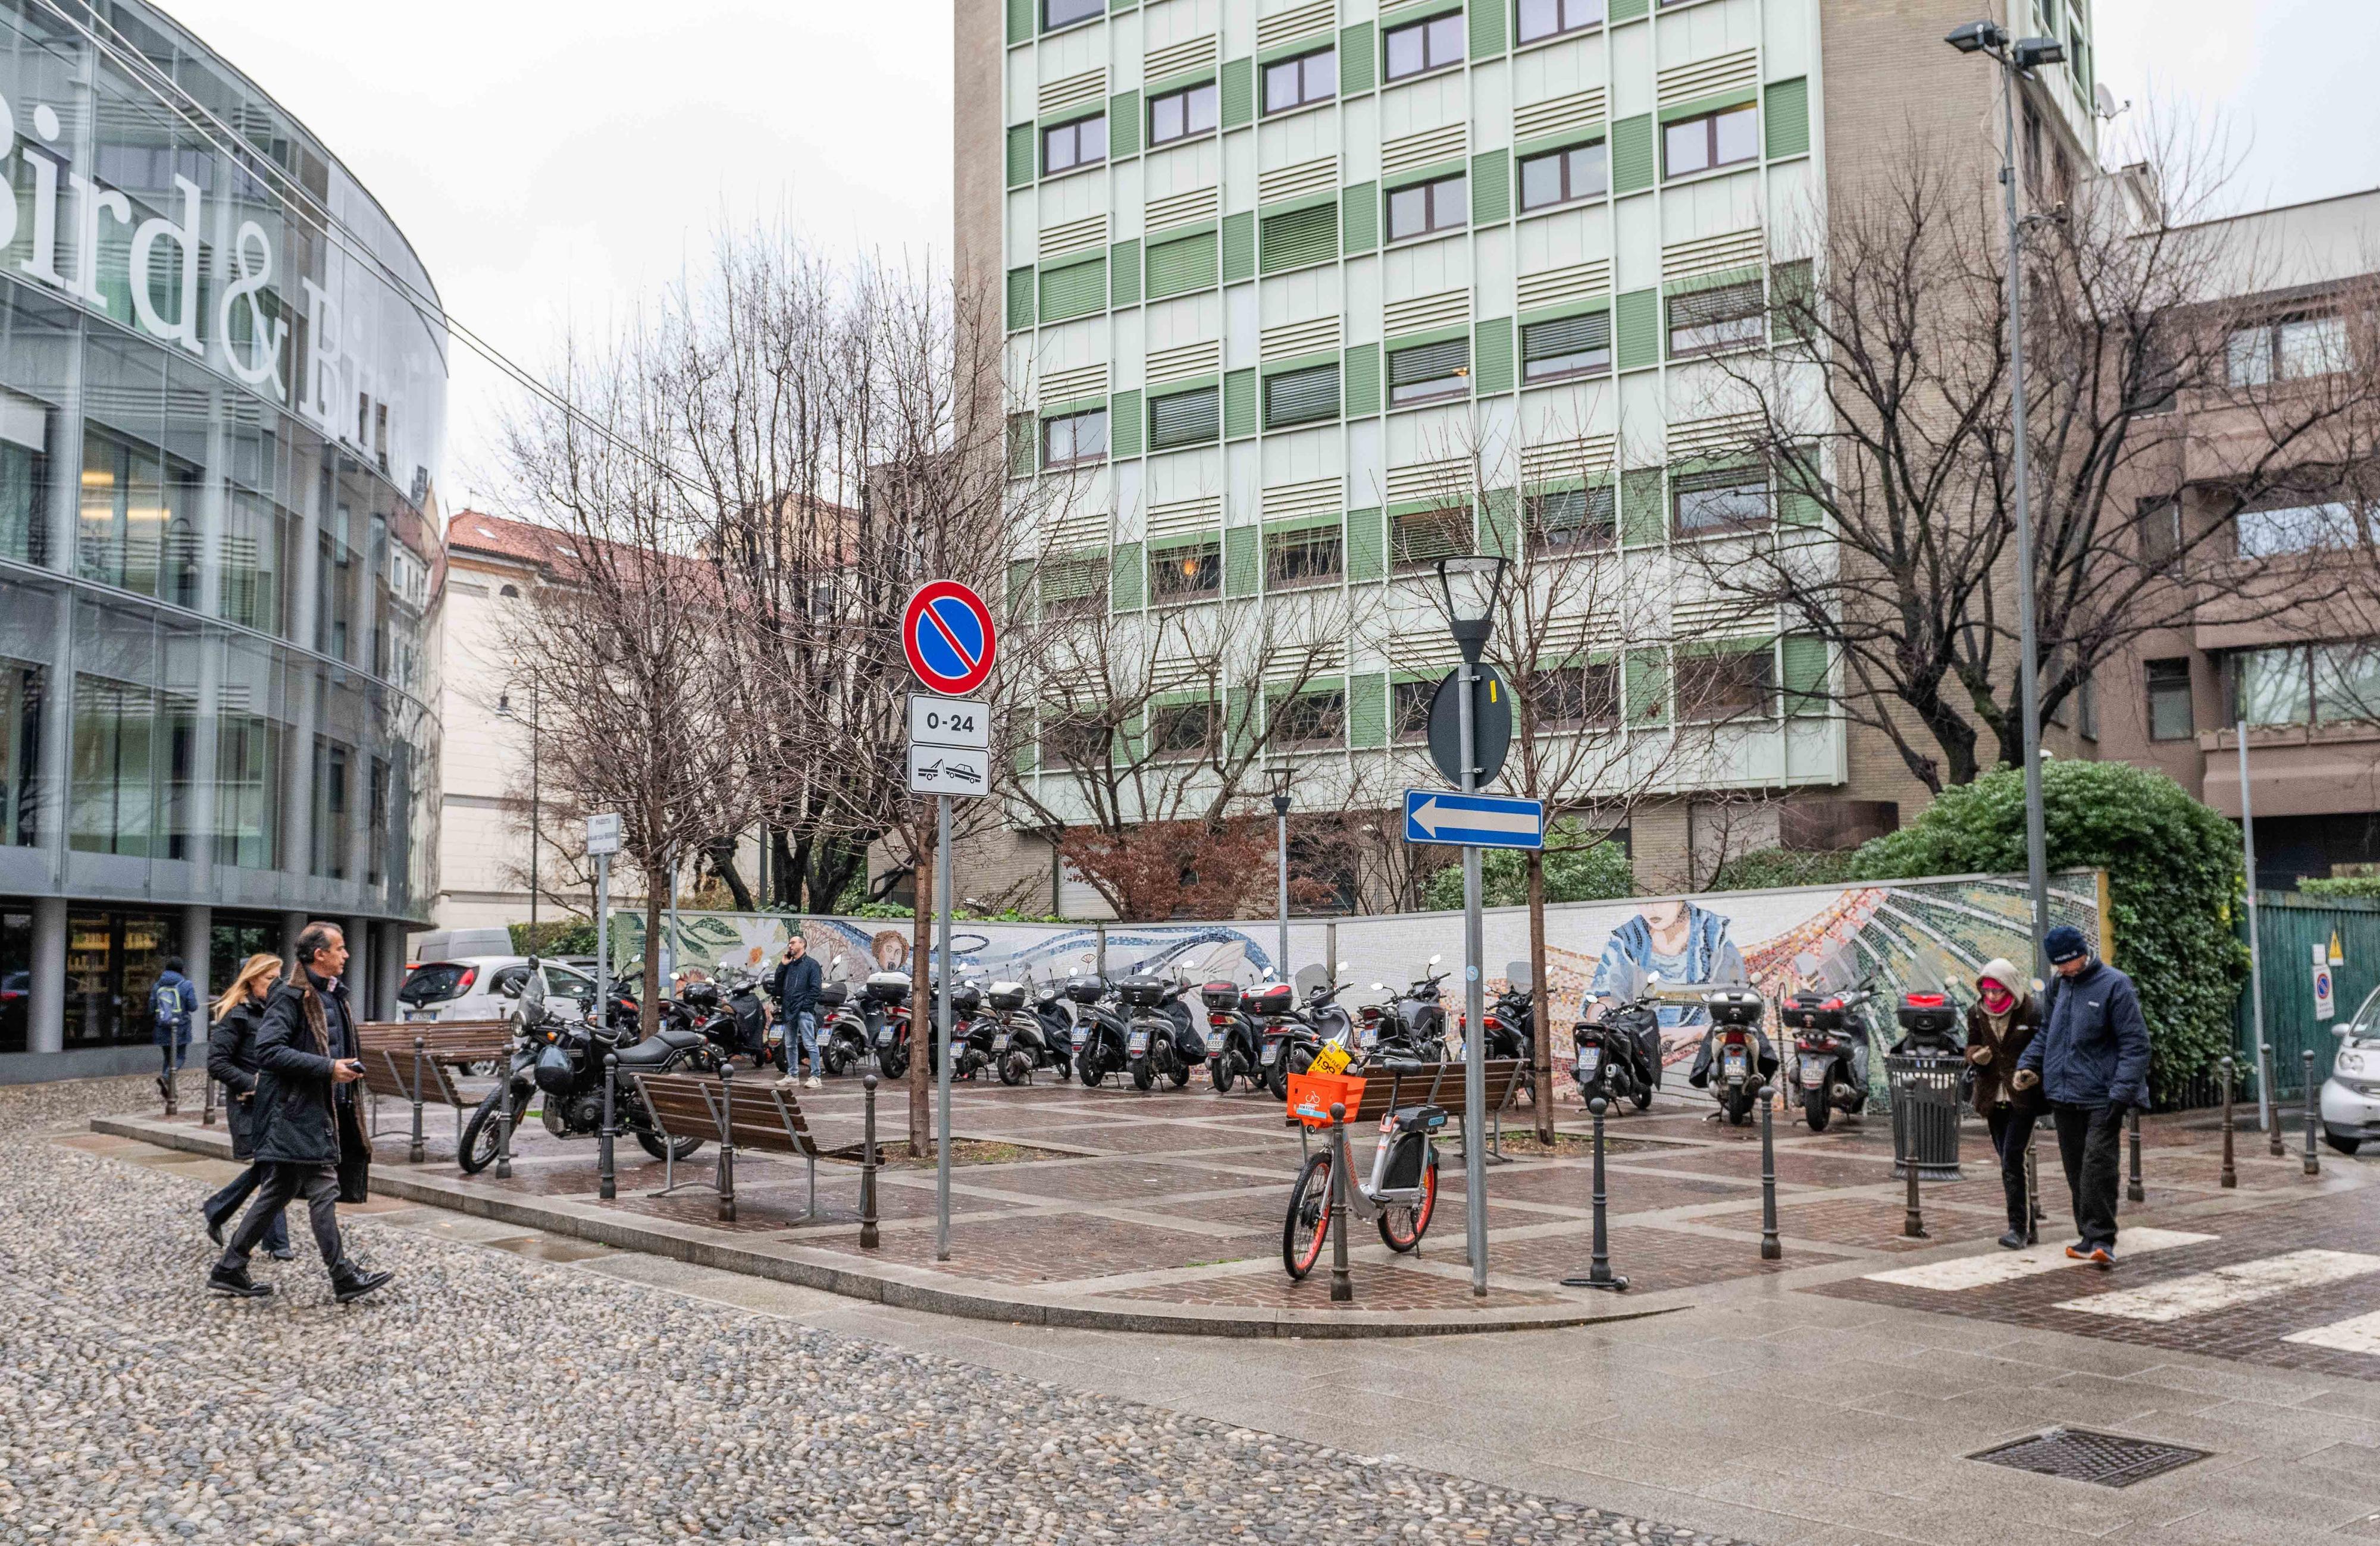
{"points": [[1926, 1114]]}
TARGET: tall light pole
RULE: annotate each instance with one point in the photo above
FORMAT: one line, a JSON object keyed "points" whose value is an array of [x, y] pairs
{"points": [[505, 709], [1470, 587], [2017, 57], [1277, 778]]}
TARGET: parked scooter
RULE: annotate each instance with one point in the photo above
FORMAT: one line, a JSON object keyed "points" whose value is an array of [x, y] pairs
{"points": [[973, 1031], [1411, 1025], [1099, 1033], [1829, 1052], [1231, 1037], [562, 1061], [1616, 1050], [1511, 1028], [883, 1004], [1733, 1048], [845, 1038], [1161, 1040], [1286, 1041]]}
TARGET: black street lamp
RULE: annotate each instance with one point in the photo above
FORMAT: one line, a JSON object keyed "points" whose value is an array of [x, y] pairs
{"points": [[1277, 779]]}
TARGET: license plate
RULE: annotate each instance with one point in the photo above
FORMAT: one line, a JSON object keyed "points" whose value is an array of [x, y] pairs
{"points": [[421, 1014], [1734, 1063], [1140, 1042], [1371, 1037], [884, 1037], [1080, 1036], [1270, 1055], [1813, 1075], [1000, 1043], [1590, 1060], [776, 1035]]}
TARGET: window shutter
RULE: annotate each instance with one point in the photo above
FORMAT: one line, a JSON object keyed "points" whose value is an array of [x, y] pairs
{"points": [[1125, 573], [1581, 334], [1020, 297], [1360, 223], [1429, 362], [1644, 517], [1239, 403], [1792, 298], [1020, 586], [1368, 710], [1494, 370], [1787, 112], [1805, 673], [1075, 290], [1182, 419], [1632, 166], [1487, 27], [1301, 396], [1239, 91], [1241, 556], [1239, 248], [1355, 75], [1297, 237], [1020, 154], [1020, 20], [1024, 454], [1363, 393], [1124, 424], [1628, 10], [1184, 263], [1637, 320], [1490, 186], [1124, 124], [1125, 263], [1368, 553], [1647, 676], [1501, 524]]}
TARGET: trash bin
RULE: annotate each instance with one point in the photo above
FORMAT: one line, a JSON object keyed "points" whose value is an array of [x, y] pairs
{"points": [[1924, 1114]]}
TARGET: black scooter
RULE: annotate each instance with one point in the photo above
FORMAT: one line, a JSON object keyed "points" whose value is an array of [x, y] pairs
{"points": [[1231, 1037], [1099, 1035], [1160, 1041], [1829, 1031], [1411, 1025], [1615, 1052], [1733, 1049], [1021, 1042]]}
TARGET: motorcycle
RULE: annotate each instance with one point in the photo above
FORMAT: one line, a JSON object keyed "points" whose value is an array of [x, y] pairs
{"points": [[845, 1038], [1615, 1052], [1736, 1056], [1021, 1041], [1511, 1028], [1411, 1025], [563, 1062], [1232, 1041], [1159, 1038], [1829, 1052], [1099, 1034], [1286, 1040], [884, 1006], [972, 1034]]}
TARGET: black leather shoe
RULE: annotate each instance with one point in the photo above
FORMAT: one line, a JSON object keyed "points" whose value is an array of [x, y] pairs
{"points": [[2012, 1240], [235, 1283], [214, 1229], [281, 1253], [349, 1289]]}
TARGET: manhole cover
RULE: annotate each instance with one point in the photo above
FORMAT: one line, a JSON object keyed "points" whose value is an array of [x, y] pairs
{"points": [[2078, 1455]]}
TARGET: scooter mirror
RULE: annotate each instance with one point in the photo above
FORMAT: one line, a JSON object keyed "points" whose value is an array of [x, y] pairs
{"points": [[1435, 960], [1379, 987], [1517, 973]]}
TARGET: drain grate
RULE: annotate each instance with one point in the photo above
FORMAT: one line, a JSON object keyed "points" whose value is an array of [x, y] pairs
{"points": [[2078, 1455]]}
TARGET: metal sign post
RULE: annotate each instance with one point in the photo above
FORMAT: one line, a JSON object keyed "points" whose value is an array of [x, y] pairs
{"points": [[942, 1028], [602, 842], [2255, 946]]}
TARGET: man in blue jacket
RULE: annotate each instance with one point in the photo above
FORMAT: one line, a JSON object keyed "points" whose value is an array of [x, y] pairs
{"points": [[2092, 1061]]}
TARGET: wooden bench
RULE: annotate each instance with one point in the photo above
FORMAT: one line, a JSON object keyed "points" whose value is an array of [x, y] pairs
{"points": [[755, 1113], [419, 1062], [1389, 1087]]}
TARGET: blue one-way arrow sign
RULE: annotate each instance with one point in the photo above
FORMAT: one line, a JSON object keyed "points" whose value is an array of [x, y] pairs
{"points": [[1436, 816]]}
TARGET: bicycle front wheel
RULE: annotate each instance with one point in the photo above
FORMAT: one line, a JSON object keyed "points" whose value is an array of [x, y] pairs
{"points": [[1307, 1228]]}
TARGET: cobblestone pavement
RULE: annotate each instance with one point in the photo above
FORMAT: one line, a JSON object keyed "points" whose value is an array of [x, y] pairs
{"points": [[498, 1398]]}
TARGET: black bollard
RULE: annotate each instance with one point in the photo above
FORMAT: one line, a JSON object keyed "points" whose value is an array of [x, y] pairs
{"points": [[1771, 1247], [170, 1084], [1343, 1287], [206, 1102], [2267, 1070], [2313, 1114], [1598, 1271], [610, 1188], [2133, 1190], [2033, 1210], [504, 1122], [413, 1150], [1913, 1218], [727, 1141], [868, 1168], [2230, 1173]]}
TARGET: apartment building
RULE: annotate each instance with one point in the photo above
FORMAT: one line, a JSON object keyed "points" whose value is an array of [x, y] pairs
{"points": [[1277, 274]]}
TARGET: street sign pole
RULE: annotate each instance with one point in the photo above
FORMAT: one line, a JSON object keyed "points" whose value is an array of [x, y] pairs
{"points": [[1474, 1039], [942, 1028], [2255, 946], [602, 842]]}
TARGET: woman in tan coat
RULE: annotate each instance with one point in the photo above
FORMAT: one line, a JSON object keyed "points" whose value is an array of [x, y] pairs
{"points": [[2000, 1021]]}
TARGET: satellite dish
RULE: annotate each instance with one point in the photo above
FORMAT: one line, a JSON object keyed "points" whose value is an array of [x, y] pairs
{"points": [[2104, 102]]}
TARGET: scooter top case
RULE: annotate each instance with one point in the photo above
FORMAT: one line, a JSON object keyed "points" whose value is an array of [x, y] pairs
{"points": [[1007, 996], [1810, 1012], [1926, 1014], [887, 987], [1220, 995], [1734, 1006], [1141, 992], [1087, 990], [1272, 998]]}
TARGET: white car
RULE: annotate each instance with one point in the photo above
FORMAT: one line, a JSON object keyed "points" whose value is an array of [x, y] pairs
{"points": [[2350, 1098], [489, 987]]}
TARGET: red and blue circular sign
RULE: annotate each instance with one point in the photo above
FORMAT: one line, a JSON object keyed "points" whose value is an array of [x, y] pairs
{"points": [[948, 634]]}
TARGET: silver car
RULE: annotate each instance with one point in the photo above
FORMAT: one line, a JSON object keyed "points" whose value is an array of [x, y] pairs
{"points": [[2350, 1098]]}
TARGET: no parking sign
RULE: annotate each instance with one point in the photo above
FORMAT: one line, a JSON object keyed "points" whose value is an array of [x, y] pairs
{"points": [[2323, 1006]]}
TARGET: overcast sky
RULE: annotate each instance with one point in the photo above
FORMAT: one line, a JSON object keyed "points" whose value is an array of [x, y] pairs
{"points": [[554, 160]]}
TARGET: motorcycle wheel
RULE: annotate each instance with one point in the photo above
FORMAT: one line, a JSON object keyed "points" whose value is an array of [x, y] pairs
{"points": [[678, 1148], [1179, 1074], [1307, 1228], [1403, 1224], [1276, 1079], [481, 1134], [1219, 1074], [1641, 1094], [893, 1062], [1143, 1076], [836, 1058], [1088, 1071], [1817, 1110], [1013, 1068], [1737, 1104]]}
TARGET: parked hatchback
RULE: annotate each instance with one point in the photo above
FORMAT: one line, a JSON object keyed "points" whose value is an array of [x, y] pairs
{"points": [[2351, 1099], [487, 987]]}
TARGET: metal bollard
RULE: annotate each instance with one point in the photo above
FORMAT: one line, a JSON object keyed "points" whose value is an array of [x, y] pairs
{"points": [[1599, 1272], [1343, 1287], [2230, 1173], [1913, 1218], [2313, 1116], [170, 1082], [2033, 1213], [868, 1237], [610, 1187], [413, 1150], [2133, 1190], [504, 1122], [1771, 1247], [727, 1141], [206, 1102], [2279, 1150]]}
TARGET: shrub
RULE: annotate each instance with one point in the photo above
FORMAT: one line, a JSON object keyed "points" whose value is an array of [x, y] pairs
{"points": [[1767, 867], [1580, 866], [2174, 885], [2341, 886], [565, 937]]}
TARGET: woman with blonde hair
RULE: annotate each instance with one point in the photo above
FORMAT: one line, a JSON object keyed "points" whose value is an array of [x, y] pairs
{"points": [[231, 1062]]}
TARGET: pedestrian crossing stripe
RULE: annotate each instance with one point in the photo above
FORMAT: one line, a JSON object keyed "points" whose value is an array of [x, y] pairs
{"points": [[2361, 1335], [2226, 1287], [2006, 1266]]}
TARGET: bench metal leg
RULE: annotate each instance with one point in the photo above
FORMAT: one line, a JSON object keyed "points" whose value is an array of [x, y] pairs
{"points": [[413, 1150]]}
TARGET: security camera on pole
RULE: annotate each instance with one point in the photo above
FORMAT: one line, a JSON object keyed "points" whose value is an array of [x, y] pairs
{"points": [[948, 635]]}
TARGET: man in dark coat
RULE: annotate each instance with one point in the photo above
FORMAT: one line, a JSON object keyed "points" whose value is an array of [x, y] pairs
{"points": [[2092, 1059], [231, 1062], [797, 984], [306, 1057]]}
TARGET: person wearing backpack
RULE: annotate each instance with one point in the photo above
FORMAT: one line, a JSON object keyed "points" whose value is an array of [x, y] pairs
{"points": [[171, 1004]]}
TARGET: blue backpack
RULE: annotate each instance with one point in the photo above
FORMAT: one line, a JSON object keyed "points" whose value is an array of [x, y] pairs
{"points": [[166, 1008]]}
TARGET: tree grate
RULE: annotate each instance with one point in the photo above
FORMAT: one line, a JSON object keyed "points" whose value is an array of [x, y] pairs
{"points": [[2078, 1455]]}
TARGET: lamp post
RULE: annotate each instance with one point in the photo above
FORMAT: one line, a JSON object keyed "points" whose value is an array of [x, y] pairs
{"points": [[504, 711], [2017, 57], [1277, 778], [1470, 587]]}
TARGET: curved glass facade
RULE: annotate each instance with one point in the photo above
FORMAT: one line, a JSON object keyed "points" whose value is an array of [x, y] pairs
{"points": [[222, 384]]}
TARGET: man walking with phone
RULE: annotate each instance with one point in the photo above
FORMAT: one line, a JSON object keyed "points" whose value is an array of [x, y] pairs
{"points": [[302, 1115], [2091, 1058]]}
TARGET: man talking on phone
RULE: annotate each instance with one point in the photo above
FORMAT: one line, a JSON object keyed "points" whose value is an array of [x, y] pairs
{"points": [[308, 1066]]}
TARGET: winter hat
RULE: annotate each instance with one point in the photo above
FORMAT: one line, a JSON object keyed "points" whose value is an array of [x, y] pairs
{"points": [[2063, 944]]}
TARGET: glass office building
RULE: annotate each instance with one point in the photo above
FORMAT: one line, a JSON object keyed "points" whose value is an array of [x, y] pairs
{"points": [[222, 384]]}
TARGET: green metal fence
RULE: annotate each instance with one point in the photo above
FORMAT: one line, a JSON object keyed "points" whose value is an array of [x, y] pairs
{"points": [[2289, 925]]}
